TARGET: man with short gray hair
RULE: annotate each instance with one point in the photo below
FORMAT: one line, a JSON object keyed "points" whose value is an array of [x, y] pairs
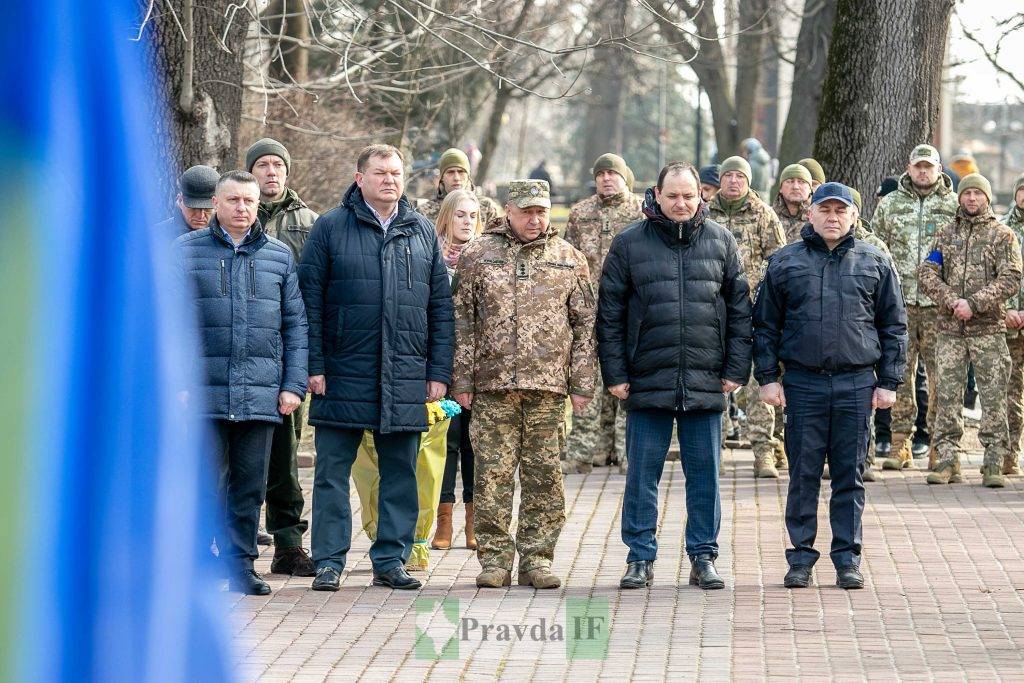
{"points": [[252, 327]]}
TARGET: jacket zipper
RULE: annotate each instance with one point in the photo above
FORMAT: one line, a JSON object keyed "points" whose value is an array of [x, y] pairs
{"points": [[408, 266], [680, 390], [920, 216], [252, 278], [223, 279]]}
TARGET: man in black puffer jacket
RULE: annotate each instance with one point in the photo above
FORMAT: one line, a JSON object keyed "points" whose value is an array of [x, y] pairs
{"points": [[381, 338], [252, 328], [673, 332], [830, 308]]}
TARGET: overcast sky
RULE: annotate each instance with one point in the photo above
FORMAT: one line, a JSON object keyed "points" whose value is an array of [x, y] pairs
{"points": [[982, 82]]}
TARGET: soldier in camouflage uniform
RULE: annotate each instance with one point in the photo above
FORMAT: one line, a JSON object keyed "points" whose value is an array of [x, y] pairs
{"points": [[973, 267], [793, 199], [598, 434], [758, 234], [453, 174], [524, 321], [907, 220], [1015, 340]]}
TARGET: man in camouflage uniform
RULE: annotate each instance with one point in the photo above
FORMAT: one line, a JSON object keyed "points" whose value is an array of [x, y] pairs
{"points": [[793, 199], [454, 174], [524, 321], [973, 267], [758, 234], [1015, 340], [598, 434], [907, 220], [284, 216]]}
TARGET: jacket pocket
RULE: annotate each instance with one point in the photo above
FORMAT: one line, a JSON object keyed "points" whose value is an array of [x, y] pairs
{"points": [[408, 265], [223, 278], [252, 278]]}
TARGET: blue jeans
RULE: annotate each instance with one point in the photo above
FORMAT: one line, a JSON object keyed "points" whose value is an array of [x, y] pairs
{"points": [[397, 506], [648, 433]]}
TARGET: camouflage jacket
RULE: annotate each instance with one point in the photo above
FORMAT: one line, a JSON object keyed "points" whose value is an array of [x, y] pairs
{"points": [[864, 235], [1015, 219], [975, 258], [595, 221], [757, 230], [524, 315], [291, 223], [907, 223], [791, 224], [489, 209]]}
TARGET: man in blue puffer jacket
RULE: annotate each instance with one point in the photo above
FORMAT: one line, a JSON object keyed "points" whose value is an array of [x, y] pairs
{"points": [[381, 337], [253, 346]]}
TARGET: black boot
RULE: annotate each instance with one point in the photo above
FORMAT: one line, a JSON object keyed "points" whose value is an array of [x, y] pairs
{"points": [[295, 561], [249, 582], [639, 574], [798, 576], [703, 573], [849, 577], [396, 578]]}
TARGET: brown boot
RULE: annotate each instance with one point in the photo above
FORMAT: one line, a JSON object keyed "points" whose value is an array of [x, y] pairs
{"points": [[470, 536], [764, 466], [781, 461], [1010, 466], [902, 457], [443, 533]]}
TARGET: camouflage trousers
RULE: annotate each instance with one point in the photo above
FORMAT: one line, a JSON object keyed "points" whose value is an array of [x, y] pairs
{"points": [[1015, 394], [922, 331], [598, 434], [510, 430], [991, 359], [764, 424]]}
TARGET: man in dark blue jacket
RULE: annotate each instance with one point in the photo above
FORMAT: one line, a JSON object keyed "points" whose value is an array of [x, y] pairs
{"points": [[673, 334], [381, 343], [253, 334], [830, 309]]}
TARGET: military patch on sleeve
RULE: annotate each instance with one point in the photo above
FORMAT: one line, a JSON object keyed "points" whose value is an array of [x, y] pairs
{"points": [[935, 257], [929, 228]]}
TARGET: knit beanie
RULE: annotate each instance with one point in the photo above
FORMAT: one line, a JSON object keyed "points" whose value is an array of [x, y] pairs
{"points": [[709, 175], [1017, 184], [976, 181], [453, 158], [795, 171], [611, 162], [736, 164], [817, 172], [262, 148], [856, 198]]}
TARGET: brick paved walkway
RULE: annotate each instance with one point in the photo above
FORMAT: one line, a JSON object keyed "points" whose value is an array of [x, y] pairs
{"points": [[944, 599]]}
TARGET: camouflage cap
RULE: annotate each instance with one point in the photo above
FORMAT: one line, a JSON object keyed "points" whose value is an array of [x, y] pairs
{"points": [[925, 153], [531, 192]]}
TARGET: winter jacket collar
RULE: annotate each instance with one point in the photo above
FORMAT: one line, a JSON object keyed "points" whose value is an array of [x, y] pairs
{"points": [[672, 231], [965, 222], [814, 241], [252, 242]]}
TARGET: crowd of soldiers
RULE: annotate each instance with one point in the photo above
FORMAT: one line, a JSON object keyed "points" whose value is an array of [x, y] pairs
{"points": [[380, 307]]}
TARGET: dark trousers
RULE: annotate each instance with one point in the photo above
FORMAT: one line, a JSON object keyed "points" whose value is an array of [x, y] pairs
{"points": [[827, 420], [459, 449], [397, 505], [284, 494], [648, 433], [244, 451]]}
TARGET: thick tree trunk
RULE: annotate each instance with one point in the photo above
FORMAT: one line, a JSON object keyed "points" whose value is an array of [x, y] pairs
{"points": [[198, 80], [491, 133], [881, 94]]}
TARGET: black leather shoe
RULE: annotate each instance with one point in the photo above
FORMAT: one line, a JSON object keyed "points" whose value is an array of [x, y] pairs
{"points": [[396, 578], [849, 577], [638, 574], [327, 579], [294, 561], [703, 573], [798, 576], [249, 582]]}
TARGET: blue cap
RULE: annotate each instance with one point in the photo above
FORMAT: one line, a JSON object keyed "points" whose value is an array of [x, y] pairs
{"points": [[709, 175], [836, 191]]}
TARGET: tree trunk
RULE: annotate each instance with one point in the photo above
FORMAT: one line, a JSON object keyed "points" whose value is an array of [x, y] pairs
{"points": [[198, 80], [749, 55], [881, 95], [808, 74], [295, 65], [489, 143]]}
